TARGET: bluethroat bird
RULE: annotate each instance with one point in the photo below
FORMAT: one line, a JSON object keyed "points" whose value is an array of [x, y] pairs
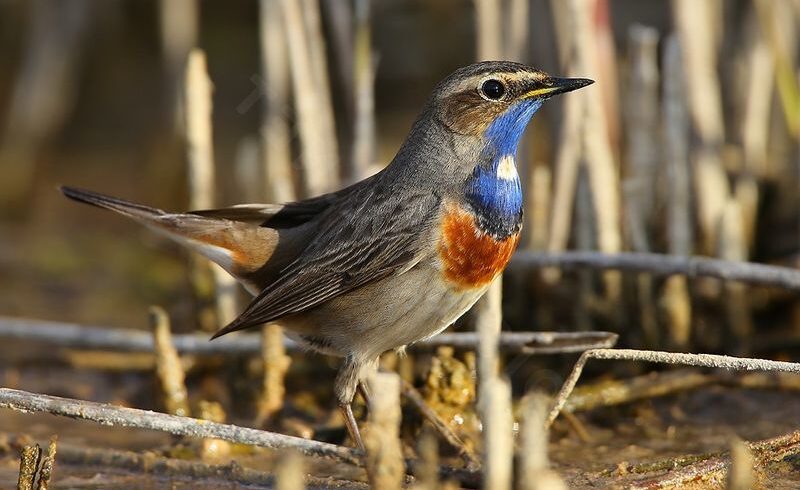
{"points": [[395, 258]]}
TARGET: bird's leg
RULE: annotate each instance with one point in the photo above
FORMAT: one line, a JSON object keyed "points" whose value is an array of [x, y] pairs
{"points": [[345, 389], [363, 389], [352, 426]]}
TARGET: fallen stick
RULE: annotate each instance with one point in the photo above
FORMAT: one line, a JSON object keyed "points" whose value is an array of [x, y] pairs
{"points": [[716, 467], [665, 265], [111, 415], [702, 360], [73, 335], [153, 464]]}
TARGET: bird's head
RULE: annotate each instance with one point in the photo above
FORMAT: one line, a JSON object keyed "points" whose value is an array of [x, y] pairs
{"points": [[495, 100]]}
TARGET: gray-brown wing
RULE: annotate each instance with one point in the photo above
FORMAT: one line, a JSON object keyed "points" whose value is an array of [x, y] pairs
{"points": [[286, 215], [364, 240]]}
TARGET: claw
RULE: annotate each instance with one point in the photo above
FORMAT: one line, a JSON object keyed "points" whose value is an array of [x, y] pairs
{"points": [[352, 427]]}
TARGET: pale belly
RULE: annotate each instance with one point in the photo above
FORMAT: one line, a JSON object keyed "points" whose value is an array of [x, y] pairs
{"points": [[386, 315]]}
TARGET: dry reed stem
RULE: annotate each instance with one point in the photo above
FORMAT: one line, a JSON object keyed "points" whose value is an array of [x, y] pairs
{"points": [[494, 405], [517, 35], [489, 18], [740, 474], [384, 458], [755, 124], [168, 365], [314, 119], [596, 148], [616, 392], [48, 463], [539, 198], [440, 425], [111, 415], [568, 152], [276, 364], [363, 150], [275, 143], [702, 360], [200, 157], [695, 24], [675, 300], [178, 25], [72, 335], [666, 265], [426, 472], [535, 473], [28, 466], [783, 48], [247, 169], [733, 247], [290, 472]]}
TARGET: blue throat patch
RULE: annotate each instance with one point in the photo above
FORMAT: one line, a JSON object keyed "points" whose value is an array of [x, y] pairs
{"points": [[497, 201]]}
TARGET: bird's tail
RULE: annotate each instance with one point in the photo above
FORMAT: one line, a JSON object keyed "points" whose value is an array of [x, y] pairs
{"points": [[133, 210], [238, 247]]}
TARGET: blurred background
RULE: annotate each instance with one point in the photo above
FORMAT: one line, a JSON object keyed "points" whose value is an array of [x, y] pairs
{"points": [[688, 144]]}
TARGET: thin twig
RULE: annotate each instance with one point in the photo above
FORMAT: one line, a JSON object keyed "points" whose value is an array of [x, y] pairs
{"points": [[73, 335], [414, 396], [666, 265], [702, 360], [185, 426]]}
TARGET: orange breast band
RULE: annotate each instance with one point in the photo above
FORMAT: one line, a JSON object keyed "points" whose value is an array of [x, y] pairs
{"points": [[470, 257]]}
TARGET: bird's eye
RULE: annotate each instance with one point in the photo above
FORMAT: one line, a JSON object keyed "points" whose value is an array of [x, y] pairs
{"points": [[493, 89]]}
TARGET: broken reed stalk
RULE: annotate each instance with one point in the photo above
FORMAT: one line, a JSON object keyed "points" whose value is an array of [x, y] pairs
{"points": [[275, 365], [701, 360], [384, 453], [290, 471], [28, 466], [111, 415], [315, 124], [168, 365], [200, 157], [426, 472], [695, 24], [732, 247], [48, 463], [494, 405], [675, 299], [741, 475], [535, 473]]}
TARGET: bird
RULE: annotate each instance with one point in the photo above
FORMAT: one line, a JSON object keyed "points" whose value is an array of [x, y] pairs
{"points": [[392, 259]]}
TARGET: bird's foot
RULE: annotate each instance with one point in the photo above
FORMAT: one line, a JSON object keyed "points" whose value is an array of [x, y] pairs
{"points": [[352, 426]]}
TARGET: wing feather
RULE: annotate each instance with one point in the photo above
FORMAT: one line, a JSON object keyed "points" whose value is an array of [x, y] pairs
{"points": [[362, 240]]}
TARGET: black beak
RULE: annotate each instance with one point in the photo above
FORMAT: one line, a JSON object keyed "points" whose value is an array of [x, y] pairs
{"points": [[556, 86]]}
